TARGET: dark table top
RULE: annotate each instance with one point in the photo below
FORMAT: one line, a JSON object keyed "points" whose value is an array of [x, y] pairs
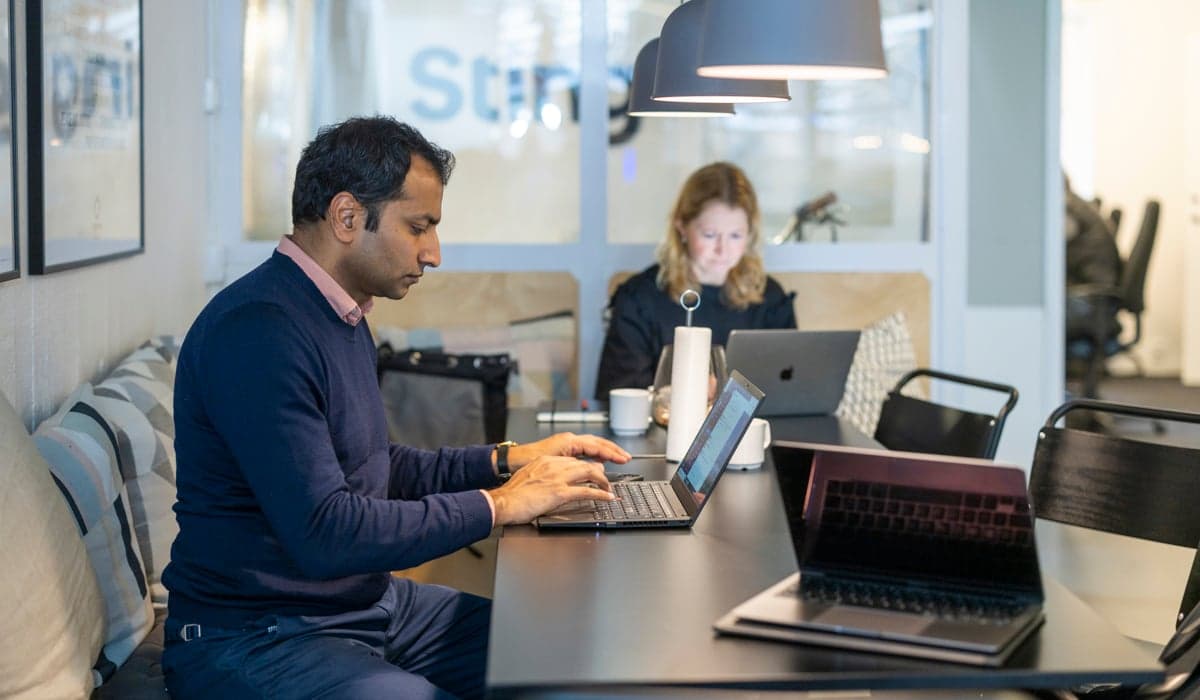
{"points": [[588, 610]]}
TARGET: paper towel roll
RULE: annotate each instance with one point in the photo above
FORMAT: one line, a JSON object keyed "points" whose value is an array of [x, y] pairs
{"points": [[689, 388]]}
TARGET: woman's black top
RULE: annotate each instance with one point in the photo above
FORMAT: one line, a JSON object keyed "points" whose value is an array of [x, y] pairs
{"points": [[643, 318]]}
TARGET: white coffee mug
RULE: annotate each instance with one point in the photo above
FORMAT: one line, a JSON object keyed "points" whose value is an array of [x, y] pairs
{"points": [[628, 411], [751, 450]]}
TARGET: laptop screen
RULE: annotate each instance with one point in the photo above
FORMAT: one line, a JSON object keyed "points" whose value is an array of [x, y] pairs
{"points": [[803, 373], [717, 438], [915, 517]]}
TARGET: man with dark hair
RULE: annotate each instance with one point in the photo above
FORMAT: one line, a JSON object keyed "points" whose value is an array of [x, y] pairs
{"points": [[293, 506]]}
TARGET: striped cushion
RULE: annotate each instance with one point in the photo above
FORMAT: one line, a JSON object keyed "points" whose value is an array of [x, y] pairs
{"points": [[88, 456], [138, 403], [166, 346], [51, 614], [148, 363]]}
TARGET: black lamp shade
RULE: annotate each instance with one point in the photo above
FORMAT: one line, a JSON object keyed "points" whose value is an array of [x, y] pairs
{"points": [[641, 104], [792, 40], [675, 78]]}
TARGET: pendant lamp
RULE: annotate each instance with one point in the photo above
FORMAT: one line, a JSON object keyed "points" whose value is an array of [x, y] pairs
{"points": [[642, 85], [792, 40], [675, 78]]}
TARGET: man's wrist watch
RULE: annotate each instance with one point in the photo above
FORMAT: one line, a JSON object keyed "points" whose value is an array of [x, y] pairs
{"points": [[502, 467]]}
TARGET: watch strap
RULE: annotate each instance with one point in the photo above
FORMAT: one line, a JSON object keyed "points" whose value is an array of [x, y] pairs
{"points": [[502, 457]]}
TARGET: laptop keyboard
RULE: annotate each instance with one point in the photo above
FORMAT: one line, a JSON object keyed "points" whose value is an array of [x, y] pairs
{"points": [[866, 506], [639, 501], [951, 606], [935, 522]]}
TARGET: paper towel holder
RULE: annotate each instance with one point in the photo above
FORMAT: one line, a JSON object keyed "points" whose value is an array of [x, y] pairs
{"points": [[689, 309]]}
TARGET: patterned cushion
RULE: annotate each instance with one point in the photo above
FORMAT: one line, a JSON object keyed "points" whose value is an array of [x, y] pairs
{"points": [[89, 457], [148, 363], [51, 613], [884, 354], [166, 346], [142, 408]]}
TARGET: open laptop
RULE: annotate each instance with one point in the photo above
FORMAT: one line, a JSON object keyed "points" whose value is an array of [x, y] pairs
{"points": [[802, 373], [901, 553], [677, 502]]}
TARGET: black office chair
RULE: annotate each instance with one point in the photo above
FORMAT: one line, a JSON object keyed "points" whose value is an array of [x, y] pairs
{"points": [[915, 425], [1123, 486], [1101, 339], [433, 399]]}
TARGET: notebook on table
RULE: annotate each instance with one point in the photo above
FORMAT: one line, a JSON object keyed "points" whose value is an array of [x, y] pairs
{"points": [[901, 553], [802, 373], [678, 501]]}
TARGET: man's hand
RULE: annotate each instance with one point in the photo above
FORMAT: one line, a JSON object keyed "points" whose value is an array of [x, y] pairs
{"points": [[566, 445], [546, 483]]}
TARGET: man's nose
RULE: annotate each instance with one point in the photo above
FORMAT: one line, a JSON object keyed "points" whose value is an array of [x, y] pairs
{"points": [[431, 252]]}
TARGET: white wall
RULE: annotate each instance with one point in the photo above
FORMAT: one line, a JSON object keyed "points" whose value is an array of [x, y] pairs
{"points": [[1191, 272], [1124, 127], [61, 329]]}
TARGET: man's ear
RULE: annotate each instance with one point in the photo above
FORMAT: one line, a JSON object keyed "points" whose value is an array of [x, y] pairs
{"points": [[345, 217]]}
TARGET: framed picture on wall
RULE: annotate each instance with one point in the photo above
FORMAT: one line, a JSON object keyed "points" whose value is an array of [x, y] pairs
{"points": [[10, 265], [85, 132]]}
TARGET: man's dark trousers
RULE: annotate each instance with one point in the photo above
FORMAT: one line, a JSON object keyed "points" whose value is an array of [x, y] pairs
{"points": [[418, 641]]}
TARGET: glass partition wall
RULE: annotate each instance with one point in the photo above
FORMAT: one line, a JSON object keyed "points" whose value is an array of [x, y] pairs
{"points": [[551, 175], [866, 142], [495, 82]]}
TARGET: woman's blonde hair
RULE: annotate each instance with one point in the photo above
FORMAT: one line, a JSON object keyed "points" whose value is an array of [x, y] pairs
{"points": [[716, 182]]}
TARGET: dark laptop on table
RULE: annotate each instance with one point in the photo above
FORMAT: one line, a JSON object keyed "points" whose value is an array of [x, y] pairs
{"points": [[802, 373], [901, 553], [677, 502]]}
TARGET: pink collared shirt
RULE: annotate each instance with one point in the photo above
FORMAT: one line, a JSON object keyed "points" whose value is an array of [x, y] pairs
{"points": [[343, 304]]}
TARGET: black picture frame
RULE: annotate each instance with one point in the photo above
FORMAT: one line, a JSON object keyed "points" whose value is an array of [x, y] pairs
{"points": [[86, 145], [10, 248]]}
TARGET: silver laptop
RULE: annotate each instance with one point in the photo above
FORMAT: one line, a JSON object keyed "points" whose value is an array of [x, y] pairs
{"points": [[678, 501], [802, 373], [901, 553]]}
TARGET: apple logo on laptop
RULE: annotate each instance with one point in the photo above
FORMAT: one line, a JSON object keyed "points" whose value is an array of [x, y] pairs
{"points": [[786, 374]]}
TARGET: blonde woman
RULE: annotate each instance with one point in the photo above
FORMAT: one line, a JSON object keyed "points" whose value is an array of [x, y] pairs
{"points": [[711, 246]]}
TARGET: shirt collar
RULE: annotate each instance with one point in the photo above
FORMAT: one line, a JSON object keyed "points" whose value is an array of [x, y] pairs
{"points": [[341, 301]]}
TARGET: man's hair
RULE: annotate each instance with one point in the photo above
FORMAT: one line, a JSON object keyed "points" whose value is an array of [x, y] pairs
{"points": [[368, 157]]}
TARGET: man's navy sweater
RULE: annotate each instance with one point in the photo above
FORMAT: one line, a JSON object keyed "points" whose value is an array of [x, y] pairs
{"points": [[291, 499]]}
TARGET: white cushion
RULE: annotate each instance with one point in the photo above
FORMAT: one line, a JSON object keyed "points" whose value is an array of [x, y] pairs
{"points": [[52, 616], [885, 353]]}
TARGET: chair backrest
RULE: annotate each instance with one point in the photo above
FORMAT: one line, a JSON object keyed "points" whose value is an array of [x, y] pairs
{"points": [[434, 399], [914, 425], [1119, 485], [1133, 278]]}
